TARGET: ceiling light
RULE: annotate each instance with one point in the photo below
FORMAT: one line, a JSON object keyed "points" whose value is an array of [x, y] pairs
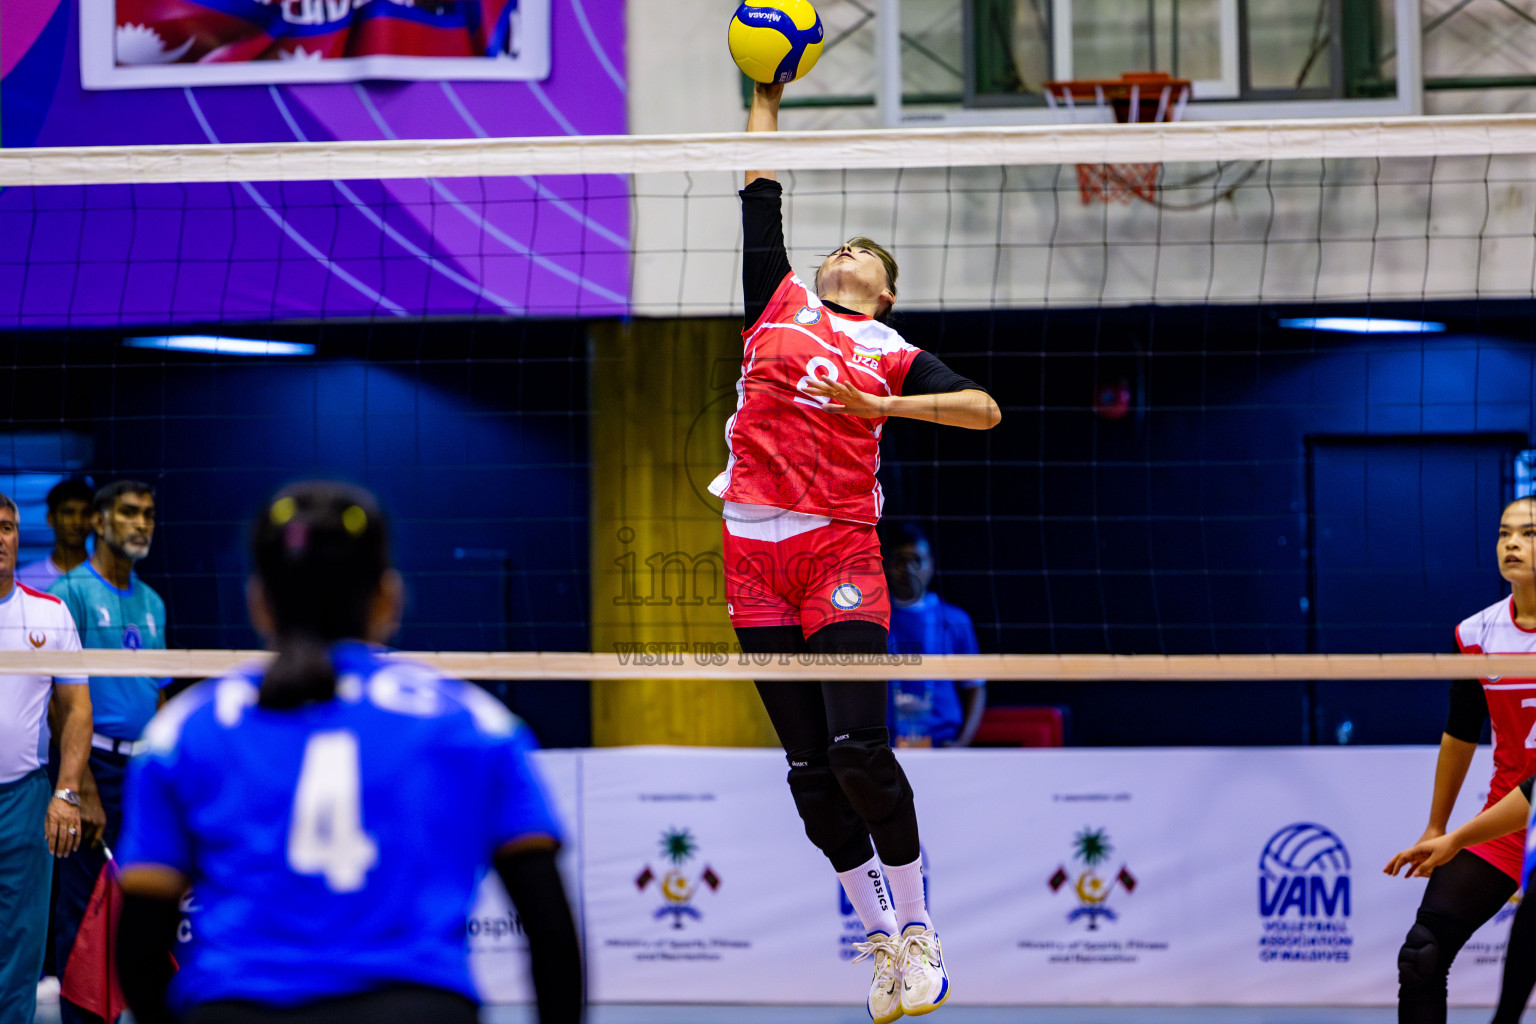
{"points": [[1364, 325], [222, 346]]}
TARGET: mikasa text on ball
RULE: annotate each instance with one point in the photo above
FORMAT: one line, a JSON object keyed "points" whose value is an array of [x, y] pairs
{"points": [[776, 40]]}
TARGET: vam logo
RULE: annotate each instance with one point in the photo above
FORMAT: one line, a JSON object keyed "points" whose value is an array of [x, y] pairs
{"points": [[1304, 869], [1304, 896]]}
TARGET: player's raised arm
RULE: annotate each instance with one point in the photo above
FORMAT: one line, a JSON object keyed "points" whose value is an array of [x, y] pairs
{"points": [[764, 117]]}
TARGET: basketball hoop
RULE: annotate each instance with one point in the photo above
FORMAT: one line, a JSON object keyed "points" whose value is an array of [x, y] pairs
{"points": [[1135, 97]]}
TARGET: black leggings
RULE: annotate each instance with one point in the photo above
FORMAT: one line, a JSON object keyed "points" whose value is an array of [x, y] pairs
{"points": [[397, 1004], [1462, 895], [1519, 963], [809, 717]]}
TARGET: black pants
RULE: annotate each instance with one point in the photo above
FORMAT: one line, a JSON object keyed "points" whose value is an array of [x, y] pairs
{"points": [[398, 1004], [808, 715], [1462, 895]]}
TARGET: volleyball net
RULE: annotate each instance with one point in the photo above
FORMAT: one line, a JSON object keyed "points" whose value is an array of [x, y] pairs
{"points": [[529, 348]]}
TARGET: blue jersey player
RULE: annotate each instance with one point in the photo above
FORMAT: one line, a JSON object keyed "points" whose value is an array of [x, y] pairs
{"points": [[334, 811]]}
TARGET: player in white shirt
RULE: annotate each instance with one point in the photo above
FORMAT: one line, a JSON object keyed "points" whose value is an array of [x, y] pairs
{"points": [[34, 823], [1471, 886]]}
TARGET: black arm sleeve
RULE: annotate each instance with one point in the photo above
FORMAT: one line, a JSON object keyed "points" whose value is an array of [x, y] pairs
{"points": [[764, 260], [1525, 787], [929, 376], [146, 934], [533, 882], [1469, 710]]}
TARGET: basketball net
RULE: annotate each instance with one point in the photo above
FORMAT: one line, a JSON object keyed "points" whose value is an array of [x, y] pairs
{"points": [[1135, 97]]}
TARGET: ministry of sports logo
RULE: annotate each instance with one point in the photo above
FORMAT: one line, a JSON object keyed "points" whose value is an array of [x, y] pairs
{"points": [[677, 889], [1091, 848], [1304, 895]]}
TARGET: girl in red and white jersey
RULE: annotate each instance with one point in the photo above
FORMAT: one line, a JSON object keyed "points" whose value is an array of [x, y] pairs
{"points": [[821, 373], [1469, 888]]}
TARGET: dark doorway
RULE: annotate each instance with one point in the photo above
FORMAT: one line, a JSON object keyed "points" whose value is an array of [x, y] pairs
{"points": [[1402, 539]]}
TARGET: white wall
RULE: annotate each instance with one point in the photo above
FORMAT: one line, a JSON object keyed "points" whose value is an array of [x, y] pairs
{"points": [[1280, 231]]}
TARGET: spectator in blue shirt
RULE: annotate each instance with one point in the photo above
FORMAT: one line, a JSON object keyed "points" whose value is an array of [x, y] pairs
{"points": [[927, 712], [113, 610], [69, 517]]}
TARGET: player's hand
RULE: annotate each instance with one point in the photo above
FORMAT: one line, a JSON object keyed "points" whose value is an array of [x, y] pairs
{"points": [[770, 91], [845, 398], [62, 828], [93, 817], [1422, 858]]}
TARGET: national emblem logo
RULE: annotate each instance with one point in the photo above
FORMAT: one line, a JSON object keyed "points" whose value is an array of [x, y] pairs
{"points": [[677, 888], [807, 316], [1092, 848]]}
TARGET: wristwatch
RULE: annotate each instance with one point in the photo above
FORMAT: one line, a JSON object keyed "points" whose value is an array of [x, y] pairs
{"points": [[69, 796]]}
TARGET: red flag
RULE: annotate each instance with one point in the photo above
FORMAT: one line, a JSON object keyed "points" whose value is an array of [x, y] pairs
{"points": [[90, 979]]}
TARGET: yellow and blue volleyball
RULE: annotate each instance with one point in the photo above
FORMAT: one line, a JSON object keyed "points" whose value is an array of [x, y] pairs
{"points": [[776, 40]]}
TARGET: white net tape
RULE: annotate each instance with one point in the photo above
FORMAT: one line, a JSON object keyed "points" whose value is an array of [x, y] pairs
{"points": [[688, 661], [1185, 142]]}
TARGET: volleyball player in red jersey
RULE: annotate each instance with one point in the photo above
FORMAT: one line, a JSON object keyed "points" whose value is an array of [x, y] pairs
{"points": [[821, 373], [1470, 887]]}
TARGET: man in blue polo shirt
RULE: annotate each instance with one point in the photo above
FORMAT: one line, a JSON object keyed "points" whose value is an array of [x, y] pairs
{"points": [[927, 712], [115, 610]]}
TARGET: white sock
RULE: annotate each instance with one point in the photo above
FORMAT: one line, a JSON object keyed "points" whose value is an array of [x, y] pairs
{"points": [[907, 893], [871, 898]]}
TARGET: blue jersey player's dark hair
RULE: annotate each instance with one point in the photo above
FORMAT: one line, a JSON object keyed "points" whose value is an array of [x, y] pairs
{"points": [[320, 550]]}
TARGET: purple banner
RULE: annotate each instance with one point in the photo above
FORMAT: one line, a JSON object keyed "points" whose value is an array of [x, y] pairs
{"points": [[163, 254]]}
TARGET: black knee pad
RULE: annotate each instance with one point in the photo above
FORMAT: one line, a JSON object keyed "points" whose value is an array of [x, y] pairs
{"points": [[867, 770], [831, 824], [1418, 962]]}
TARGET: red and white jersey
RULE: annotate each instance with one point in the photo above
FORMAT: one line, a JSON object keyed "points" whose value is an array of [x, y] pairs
{"points": [[1512, 711], [30, 620], [787, 452]]}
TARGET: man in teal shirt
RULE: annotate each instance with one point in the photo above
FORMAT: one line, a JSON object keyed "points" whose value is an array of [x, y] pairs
{"points": [[115, 610]]}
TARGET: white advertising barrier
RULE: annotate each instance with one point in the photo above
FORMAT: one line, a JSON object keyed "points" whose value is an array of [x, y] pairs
{"points": [[1199, 876]]}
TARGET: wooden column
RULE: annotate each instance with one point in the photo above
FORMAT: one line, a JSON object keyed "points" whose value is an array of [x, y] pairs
{"points": [[662, 391]]}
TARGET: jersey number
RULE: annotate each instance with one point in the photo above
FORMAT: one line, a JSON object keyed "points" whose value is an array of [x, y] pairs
{"points": [[326, 836], [1530, 740], [816, 363]]}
